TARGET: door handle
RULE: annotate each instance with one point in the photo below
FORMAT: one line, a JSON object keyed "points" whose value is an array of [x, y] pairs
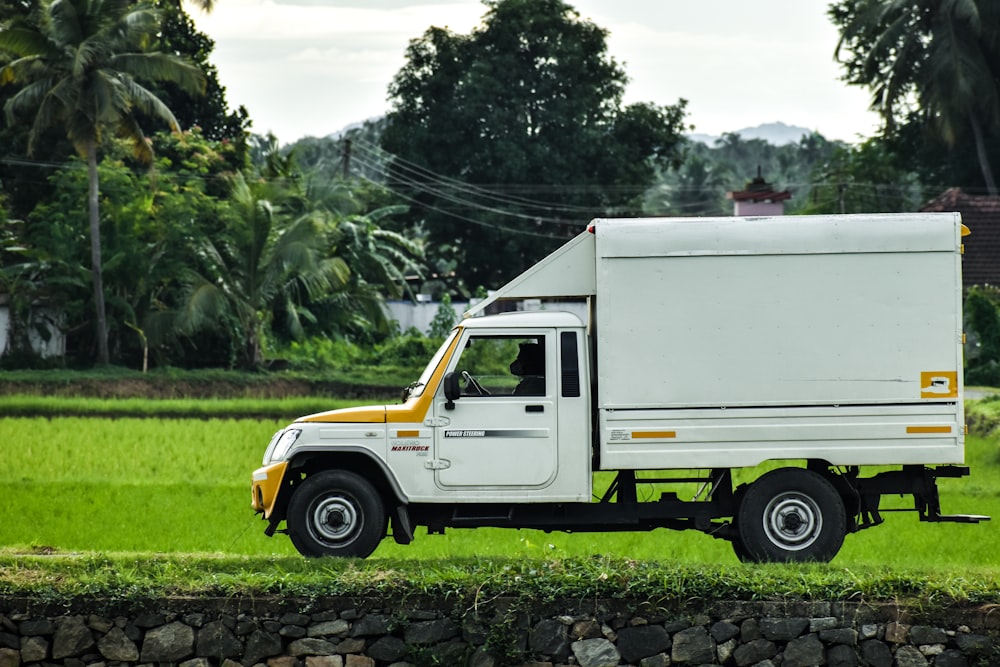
{"points": [[534, 408]]}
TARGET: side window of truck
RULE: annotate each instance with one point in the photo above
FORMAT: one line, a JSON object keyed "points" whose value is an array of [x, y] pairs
{"points": [[503, 366]]}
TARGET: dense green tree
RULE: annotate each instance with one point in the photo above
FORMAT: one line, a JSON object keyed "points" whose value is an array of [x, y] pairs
{"points": [[255, 266], [151, 219], [209, 111], [982, 315], [22, 182], [700, 184], [380, 260], [23, 286], [25, 181], [932, 64], [863, 179], [81, 65], [697, 187], [509, 139]]}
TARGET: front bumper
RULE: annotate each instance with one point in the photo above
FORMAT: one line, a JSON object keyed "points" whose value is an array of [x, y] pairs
{"points": [[264, 487]]}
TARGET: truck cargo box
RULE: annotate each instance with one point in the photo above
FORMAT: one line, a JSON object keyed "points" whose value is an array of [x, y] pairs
{"points": [[796, 310], [732, 341]]}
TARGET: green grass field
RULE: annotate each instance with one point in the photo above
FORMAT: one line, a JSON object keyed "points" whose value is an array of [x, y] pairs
{"points": [[180, 486]]}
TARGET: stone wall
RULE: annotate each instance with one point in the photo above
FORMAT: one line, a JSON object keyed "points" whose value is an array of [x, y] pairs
{"points": [[337, 632]]}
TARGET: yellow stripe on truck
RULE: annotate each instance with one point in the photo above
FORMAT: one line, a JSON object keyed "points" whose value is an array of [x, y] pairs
{"points": [[416, 409], [928, 429], [654, 434]]}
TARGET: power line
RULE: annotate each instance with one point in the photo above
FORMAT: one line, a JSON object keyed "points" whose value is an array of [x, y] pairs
{"points": [[447, 196], [421, 172], [458, 216]]}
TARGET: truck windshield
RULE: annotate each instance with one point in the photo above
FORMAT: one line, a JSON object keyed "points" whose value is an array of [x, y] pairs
{"points": [[417, 388]]}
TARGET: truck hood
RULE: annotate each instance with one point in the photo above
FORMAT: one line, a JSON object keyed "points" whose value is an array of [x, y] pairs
{"points": [[368, 414]]}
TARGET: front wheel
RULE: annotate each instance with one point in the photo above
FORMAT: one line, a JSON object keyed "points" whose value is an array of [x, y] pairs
{"points": [[790, 515], [336, 513]]}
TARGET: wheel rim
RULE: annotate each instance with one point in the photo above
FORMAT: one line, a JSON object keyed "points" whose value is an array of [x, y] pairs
{"points": [[335, 519], [793, 521]]}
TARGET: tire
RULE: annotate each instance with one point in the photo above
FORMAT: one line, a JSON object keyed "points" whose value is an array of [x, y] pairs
{"points": [[791, 515], [336, 513], [741, 551]]}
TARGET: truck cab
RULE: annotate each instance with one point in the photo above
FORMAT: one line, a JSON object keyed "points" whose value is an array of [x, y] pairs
{"points": [[512, 419], [501, 414]]}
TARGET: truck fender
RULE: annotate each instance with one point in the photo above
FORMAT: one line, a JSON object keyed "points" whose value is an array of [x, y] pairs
{"points": [[360, 460], [845, 483]]}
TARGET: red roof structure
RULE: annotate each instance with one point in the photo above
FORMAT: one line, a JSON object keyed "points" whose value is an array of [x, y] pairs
{"points": [[981, 214], [759, 198], [759, 190]]}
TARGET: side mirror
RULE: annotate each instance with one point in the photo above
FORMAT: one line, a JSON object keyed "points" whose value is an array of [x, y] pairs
{"points": [[452, 390]]}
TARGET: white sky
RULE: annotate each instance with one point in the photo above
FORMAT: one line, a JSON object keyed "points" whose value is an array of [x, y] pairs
{"points": [[311, 67]]}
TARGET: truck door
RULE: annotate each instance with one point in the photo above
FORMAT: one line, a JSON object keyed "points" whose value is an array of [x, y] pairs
{"points": [[502, 430]]}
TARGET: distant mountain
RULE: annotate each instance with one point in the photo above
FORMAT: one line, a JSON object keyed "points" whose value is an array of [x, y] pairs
{"points": [[354, 127], [777, 133]]}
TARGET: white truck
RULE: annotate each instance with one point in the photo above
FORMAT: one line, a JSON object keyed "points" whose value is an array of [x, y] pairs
{"points": [[754, 365]]}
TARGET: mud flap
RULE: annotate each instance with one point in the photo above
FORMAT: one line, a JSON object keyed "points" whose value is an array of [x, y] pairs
{"points": [[402, 528]]}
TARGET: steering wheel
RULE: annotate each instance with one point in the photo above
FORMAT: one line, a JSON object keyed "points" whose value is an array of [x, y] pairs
{"points": [[473, 385]]}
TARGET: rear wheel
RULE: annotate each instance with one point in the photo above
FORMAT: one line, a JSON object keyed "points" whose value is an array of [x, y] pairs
{"points": [[788, 515], [741, 551], [336, 513]]}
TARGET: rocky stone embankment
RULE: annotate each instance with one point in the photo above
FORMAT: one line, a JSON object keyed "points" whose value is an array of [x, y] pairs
{"points": [[332, 632]]}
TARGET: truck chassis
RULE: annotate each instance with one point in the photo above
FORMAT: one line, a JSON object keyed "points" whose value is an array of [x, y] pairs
{"points": [[788, 514]]}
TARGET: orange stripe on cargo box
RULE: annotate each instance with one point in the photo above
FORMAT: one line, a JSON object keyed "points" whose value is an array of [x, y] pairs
{"points": [[928, 429], [407, 434], [654, 434]]}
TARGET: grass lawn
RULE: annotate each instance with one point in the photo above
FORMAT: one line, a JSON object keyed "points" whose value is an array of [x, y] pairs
{"points": [[175, 486]]}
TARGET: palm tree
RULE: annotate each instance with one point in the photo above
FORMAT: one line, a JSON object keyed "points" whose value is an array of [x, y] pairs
{"points": [[80, 66], [942, 55], [259, 266]]}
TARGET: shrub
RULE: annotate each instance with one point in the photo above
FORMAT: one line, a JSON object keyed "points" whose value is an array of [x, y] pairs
{"points": [[444, 319], [982, 309], [411, 348], [323, 354]]}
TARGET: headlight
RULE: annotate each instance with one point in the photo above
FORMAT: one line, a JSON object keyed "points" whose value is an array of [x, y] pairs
{"points": [[270, 447], [280, 444]]}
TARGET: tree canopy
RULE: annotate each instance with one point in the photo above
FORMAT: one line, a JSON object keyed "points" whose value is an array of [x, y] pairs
{"points": [[933, 69], [81, 67], [500, 144], [509, 139]]}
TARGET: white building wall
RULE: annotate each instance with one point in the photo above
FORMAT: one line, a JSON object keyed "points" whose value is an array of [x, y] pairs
{"points": [[55, 346], [419, 315], [753, 208], [4, 329]]}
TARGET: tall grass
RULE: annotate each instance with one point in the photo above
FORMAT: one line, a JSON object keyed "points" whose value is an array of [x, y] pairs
{"points": [[131, 484], [471, 581], [182, 486]]}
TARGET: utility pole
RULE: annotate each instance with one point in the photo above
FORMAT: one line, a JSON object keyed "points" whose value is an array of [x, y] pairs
{"points": [[347, 159]]}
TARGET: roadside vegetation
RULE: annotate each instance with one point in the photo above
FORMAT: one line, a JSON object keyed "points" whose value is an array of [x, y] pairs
{"points": [[467, 581]]}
